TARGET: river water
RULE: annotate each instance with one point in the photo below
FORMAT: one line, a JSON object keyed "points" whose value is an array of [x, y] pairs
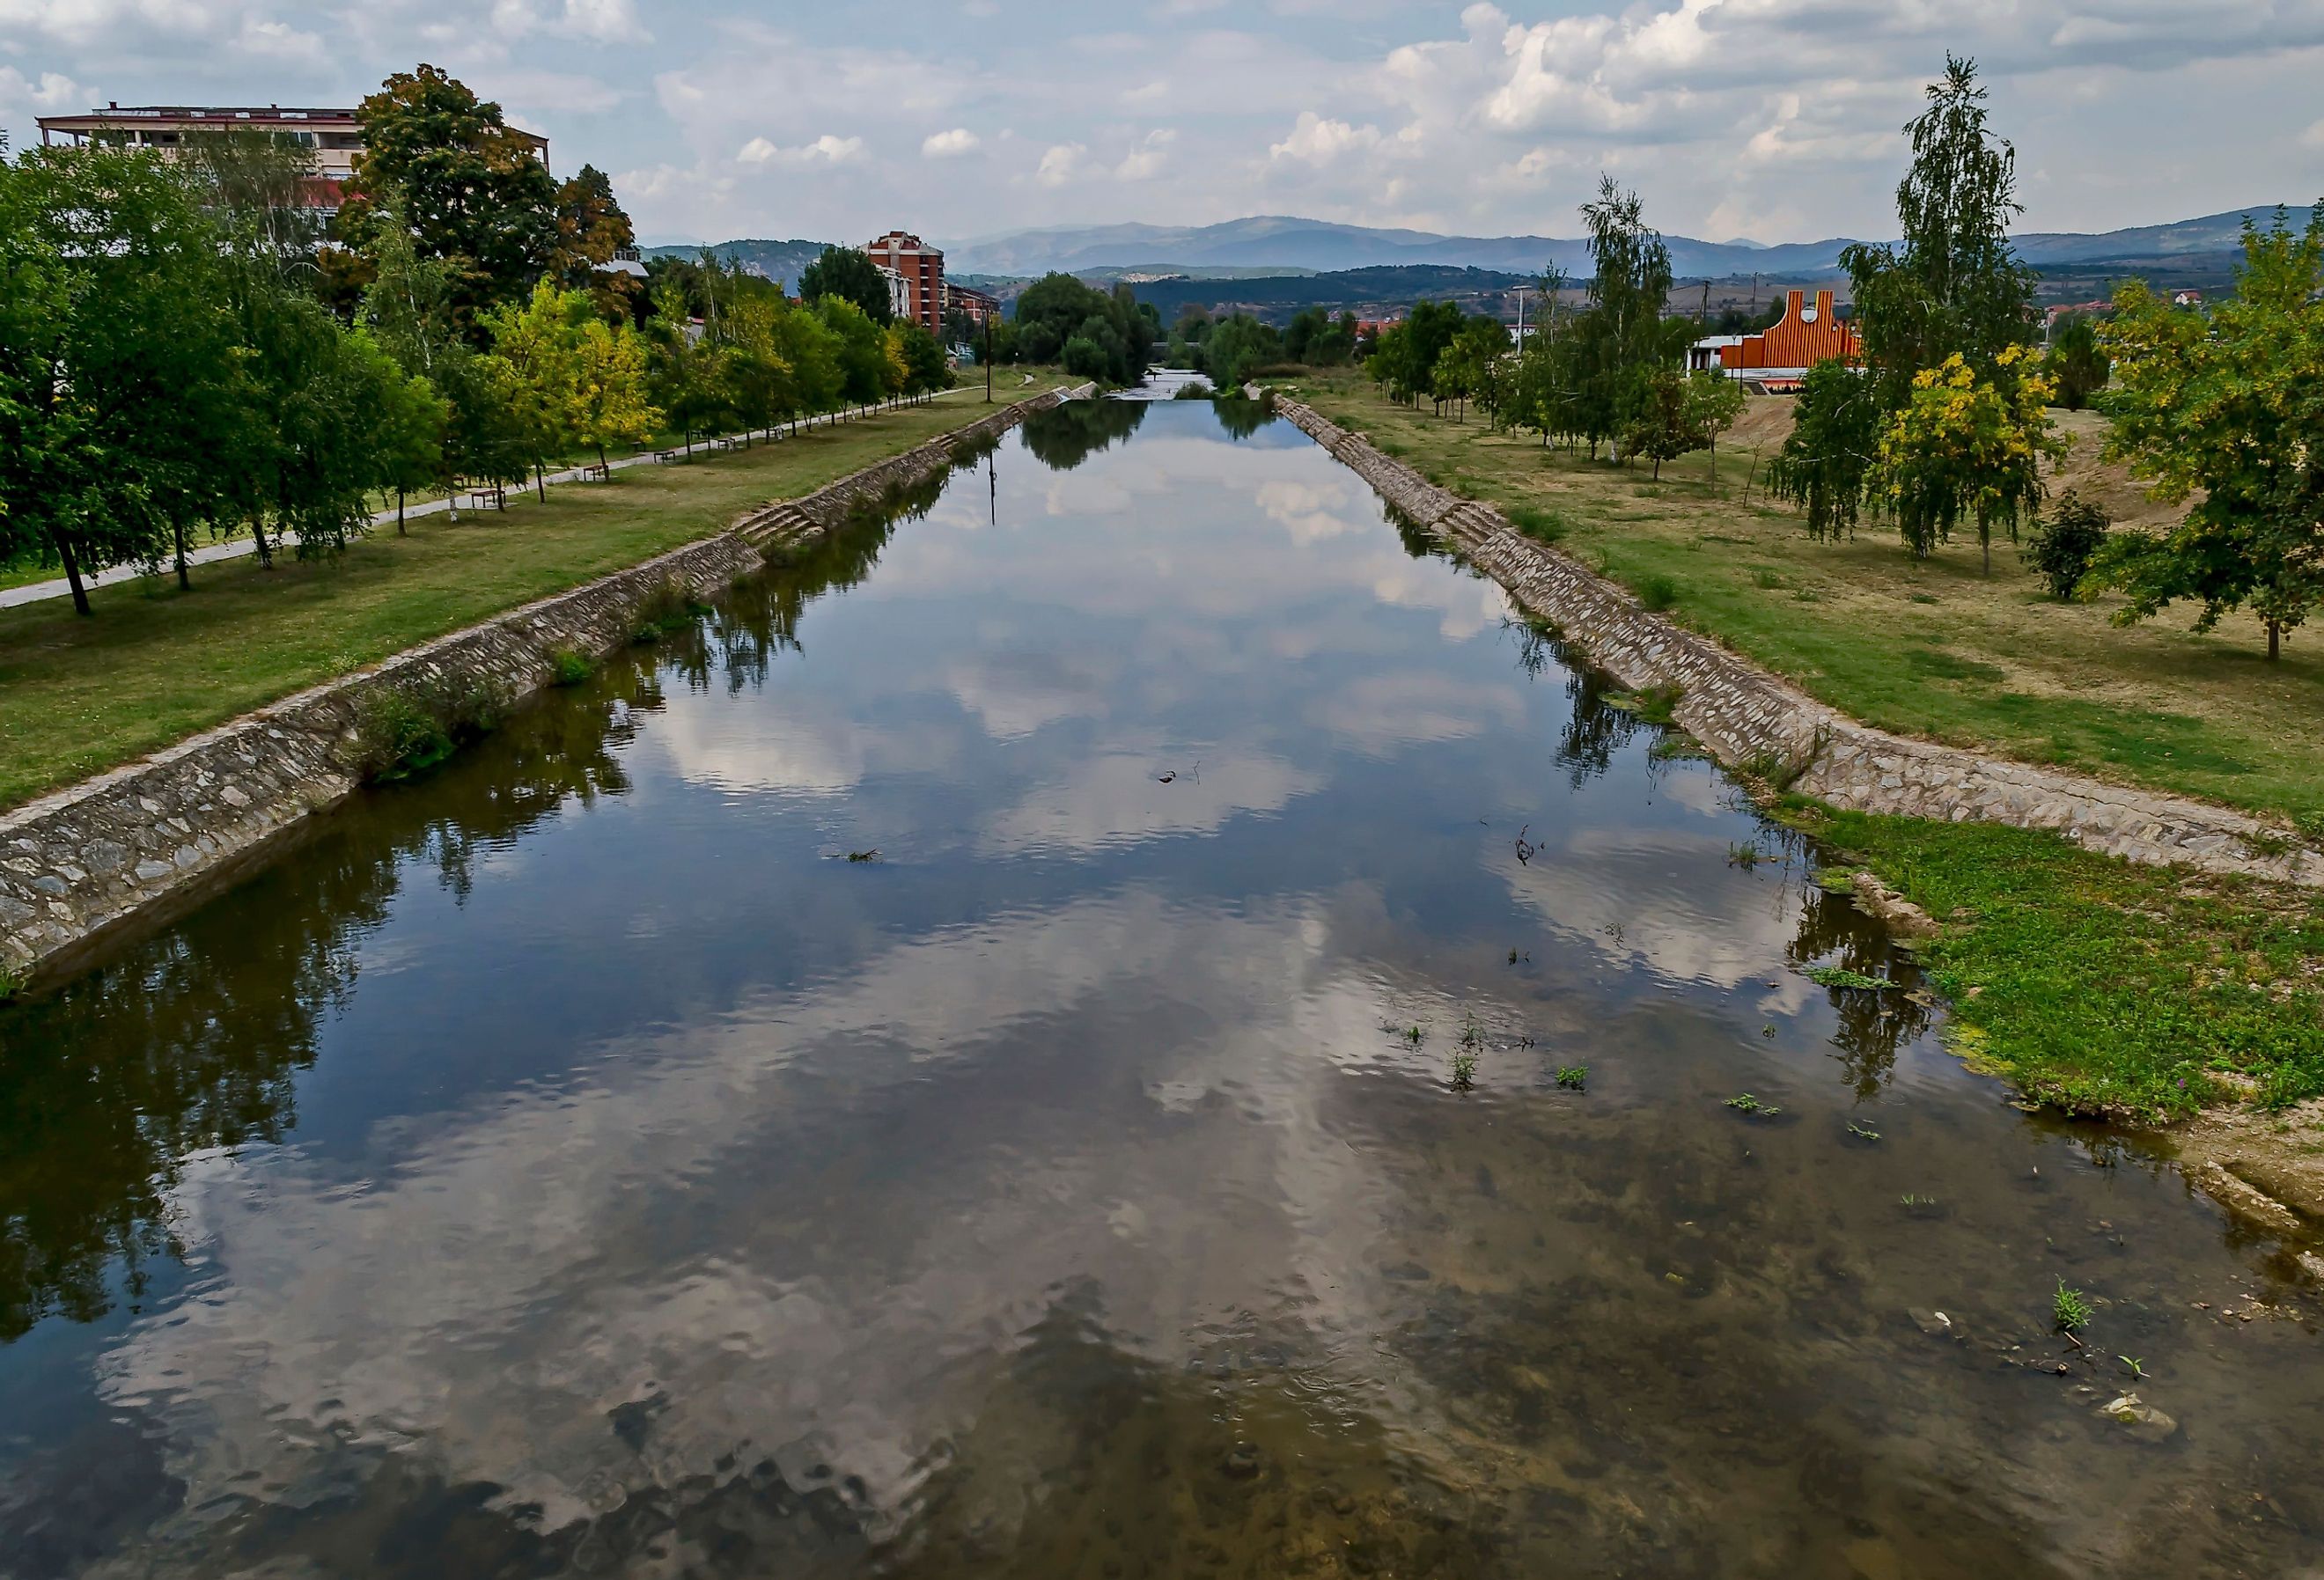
{"points": [[574, 1162]]}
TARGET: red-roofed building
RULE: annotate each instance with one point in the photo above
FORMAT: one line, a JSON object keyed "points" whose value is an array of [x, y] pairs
{"points": [[1807, 334]]}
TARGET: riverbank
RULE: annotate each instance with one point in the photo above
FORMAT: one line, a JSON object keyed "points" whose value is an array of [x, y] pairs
{"points": [[141, 837], [2127, 988], [80, 696], [1939, 650]]}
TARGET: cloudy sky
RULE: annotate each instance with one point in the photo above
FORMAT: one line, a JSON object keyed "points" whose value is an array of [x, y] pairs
{"points": [[1774, 119]]}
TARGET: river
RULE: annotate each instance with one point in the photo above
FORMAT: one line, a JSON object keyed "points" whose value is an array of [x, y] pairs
{"points": [[953, 1068]]}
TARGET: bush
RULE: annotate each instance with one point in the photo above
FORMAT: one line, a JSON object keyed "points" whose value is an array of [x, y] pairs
{"points": [[401, 731], [2069, 536], [569, 666], [668, 608], [1656, 593]]}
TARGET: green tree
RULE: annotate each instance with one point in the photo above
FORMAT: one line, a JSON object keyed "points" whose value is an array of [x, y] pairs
{"points": [[1058, 308], [926, 369], [539, 341], [1827, 455], [1236, 349], [471, 188], [1621, 341], [864, 371], [1714, 404], [607, 389], [1953, 285], [1463, 370], [852, 276], [1662, 418], [2070, 535], [2077, 365], [412, 423], [2231, 409]]}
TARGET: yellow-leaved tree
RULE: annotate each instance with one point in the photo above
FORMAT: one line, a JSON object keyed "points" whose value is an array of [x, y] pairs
{"points": [[1969, 445], [606, 400]]}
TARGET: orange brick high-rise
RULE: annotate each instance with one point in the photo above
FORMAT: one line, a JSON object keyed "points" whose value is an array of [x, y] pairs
{"points": [[922, 267]]}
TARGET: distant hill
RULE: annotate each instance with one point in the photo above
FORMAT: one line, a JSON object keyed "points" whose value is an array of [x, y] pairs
{"points": [[1389, 288], [1290, 243], [783, 260]]}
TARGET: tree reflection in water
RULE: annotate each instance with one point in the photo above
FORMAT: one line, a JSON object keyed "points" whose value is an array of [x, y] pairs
{"points": [[1065, 436]]}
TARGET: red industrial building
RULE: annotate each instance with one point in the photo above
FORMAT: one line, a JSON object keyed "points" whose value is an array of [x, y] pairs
{"points": [[1780, 358]]}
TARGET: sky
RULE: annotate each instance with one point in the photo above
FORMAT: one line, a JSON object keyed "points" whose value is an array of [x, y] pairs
{"points": [[1775, 120]]}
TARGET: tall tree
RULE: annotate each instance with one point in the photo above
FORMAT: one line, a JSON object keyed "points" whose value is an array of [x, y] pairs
{"points": [[591, 231], [1969, 443], [849, 274], [1826, 457], [1953, 284], [539, 341], [472, 189], [1714, 404], [2231, 408], [1620, 338]]}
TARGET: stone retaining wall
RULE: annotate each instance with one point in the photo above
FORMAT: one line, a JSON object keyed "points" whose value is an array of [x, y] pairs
{"points": [[84, 859], [1754, 721]]}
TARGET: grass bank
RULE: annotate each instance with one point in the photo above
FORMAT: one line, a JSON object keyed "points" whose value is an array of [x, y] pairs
{"points": [[2132, 991], [155, 665], [1941, 649]]}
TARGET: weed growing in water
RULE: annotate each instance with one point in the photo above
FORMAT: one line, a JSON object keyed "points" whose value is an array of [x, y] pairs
{"points": [[1746, 856], [1841, 976], [1911, 1202], [1412, 1036], [1861, 1133], [1464, 1069], [2072, 1308], [2137, 1367], [569, 666], [1574, 1077], [863, 856], [669, 607], [1655, 705], [12, 983], [1744, 1103]]}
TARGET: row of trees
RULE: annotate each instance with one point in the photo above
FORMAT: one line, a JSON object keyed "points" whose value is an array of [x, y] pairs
{"points": [[184, 354]]}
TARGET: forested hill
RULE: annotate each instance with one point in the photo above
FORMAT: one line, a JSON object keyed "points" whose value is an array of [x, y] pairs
{"points": [[782, 261]]}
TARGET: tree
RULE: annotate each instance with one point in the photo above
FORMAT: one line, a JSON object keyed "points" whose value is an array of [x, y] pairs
{"points": [[1714, 404], [118, 368], [470, 188], [2077, 365], [1662, 426], [1058, 309], [2231, 408], [865, 374], [926, 369], [1829, 451], [591, 231], [1953, 285], [1967, 444], [411, 425], [1621, 338], [852, 276], [1465, 368], [1236, 349], [539, 341], [606, 387]]}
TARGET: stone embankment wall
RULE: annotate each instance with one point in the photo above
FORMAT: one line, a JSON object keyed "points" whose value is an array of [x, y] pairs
{"points": [[84, 859], [1754, 721]]}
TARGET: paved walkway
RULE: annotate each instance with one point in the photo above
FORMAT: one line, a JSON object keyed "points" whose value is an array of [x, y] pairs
{"points": [[233, 547]]}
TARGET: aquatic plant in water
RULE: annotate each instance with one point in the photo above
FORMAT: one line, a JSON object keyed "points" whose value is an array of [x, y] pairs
{"points": [[1841, 976], [1744, 1103], [1574, 1077], [2072, 1308]]}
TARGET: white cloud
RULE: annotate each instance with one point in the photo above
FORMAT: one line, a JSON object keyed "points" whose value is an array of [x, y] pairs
{"points": [[1317, 141], [949, 145], [1144, 161], [1063, 162], [826, 149]]}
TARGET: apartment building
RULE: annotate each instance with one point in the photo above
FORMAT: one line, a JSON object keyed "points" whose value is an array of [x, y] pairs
{"points": [[922, 268]]}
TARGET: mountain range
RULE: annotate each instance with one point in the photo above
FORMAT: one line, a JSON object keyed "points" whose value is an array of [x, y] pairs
{"points": [[1287, 242], [1275, 244]]}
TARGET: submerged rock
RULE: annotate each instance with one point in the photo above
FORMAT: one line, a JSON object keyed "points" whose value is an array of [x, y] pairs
{"points": [[2142, 1421], [1934, 1323]]}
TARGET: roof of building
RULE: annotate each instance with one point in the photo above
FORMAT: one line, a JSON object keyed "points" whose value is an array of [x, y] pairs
{"points": [[117, 115]]}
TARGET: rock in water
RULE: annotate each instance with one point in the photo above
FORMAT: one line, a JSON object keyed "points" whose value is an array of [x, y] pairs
{"points": [[2142, 1421]]}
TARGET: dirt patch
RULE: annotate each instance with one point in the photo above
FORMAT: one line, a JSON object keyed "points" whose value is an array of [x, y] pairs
{"points": [[2265, 1167]]}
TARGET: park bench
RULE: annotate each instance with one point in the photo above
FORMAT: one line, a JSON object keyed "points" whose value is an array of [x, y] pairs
{"points": [[495, 495], [666, 458], [597, 472]]}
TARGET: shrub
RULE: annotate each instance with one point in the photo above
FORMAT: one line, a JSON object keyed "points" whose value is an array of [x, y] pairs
{"points": [[401, 731], [12, 983], [569, 666], [2069, 537], [668, 608], [1656, 593]]}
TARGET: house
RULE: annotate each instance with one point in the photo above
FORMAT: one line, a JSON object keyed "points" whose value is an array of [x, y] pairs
{"points": [[1807, 334], [922, 269], [2186, 299], [899, 293], [335, 136]]}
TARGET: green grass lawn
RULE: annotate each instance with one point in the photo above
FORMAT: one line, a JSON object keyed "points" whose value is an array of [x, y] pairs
{"points": [[154, 665], [2098, 985], [1941, 649]]}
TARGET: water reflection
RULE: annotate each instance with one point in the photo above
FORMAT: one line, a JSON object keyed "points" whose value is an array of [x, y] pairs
{"points": [[575, 1164]]}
